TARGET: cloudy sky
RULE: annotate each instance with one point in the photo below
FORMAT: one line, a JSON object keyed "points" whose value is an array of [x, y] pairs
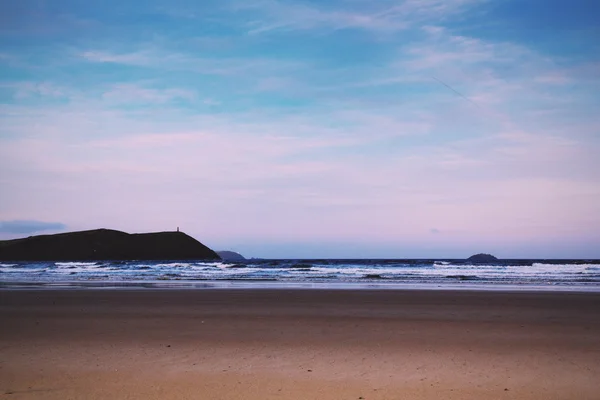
{"points": [[342, 128]]}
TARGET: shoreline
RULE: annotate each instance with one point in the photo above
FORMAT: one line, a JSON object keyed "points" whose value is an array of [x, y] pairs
{"points": [[290, 344]]}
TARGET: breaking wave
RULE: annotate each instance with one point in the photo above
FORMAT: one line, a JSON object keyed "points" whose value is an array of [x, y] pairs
{"points": [[515, 272]]}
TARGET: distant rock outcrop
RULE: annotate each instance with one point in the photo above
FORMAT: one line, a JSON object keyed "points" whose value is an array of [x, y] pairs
{"points": [[105, 244], [482, 258], [231, 256]]}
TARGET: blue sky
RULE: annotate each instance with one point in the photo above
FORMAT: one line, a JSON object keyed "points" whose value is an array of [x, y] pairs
{"points": [[350, 128]]}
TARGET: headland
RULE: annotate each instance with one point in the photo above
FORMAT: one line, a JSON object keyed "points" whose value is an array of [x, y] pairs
{"points": [[106, 244]]}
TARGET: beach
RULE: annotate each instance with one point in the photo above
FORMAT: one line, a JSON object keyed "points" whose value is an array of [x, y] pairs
{"points": [[298, 344]]}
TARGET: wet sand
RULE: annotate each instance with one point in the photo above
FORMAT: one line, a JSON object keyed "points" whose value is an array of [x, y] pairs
{"points": [[298, 344]]}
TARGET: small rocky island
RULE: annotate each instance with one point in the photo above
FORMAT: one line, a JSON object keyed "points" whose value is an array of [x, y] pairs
{"points": [[105, 244], [231, 256], [482, 258]]}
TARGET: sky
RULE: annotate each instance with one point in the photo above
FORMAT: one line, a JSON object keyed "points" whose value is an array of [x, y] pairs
{"points": [[306, 129]]}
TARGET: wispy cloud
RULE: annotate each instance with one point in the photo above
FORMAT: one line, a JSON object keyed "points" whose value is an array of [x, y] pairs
{"points": [[141, 58], [155, 57], [132, 94], [274, 15], [42, 89], [554, 78]]}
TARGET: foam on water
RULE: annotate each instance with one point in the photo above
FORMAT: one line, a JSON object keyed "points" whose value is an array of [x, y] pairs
{"points": [[518, 272], [74, 264], [20, 270], [7, 265]]}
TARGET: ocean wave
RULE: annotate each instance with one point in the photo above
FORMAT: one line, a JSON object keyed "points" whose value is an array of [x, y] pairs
{"points": [[561, 267], [464, 277], [302, 266], [373, 276], [544, 272], [20, 270], [173, 265], [75, 264]]}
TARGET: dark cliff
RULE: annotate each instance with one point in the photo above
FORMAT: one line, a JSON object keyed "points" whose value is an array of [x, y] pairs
{"points": [[482, 258], [105, 244], [231, 256]]}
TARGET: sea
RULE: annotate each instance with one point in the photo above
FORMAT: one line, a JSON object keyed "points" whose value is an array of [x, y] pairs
{"points": [[554, 275]]}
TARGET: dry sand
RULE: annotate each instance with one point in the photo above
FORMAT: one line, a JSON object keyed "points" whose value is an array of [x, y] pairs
{"points": [[298, 344]]}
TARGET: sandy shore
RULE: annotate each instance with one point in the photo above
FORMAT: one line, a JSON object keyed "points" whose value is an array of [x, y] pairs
{"points": [[298, 344]]}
